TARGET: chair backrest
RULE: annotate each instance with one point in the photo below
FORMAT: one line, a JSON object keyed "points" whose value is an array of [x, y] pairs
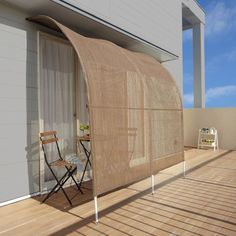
{"points": [[49, 137]]}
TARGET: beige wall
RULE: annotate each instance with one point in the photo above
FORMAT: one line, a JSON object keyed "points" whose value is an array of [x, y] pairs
{"points": [[223, 119]]}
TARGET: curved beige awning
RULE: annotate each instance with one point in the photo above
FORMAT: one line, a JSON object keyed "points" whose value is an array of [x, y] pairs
{"points": [[135, 110]]}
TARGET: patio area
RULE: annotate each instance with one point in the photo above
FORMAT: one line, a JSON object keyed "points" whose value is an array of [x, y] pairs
{"points": [[203, 203]]}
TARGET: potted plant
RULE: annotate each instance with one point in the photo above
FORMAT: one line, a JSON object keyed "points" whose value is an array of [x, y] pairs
{"points": [[85, 129]]}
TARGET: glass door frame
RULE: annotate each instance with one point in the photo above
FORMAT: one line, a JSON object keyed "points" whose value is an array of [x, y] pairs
{"points": [[46, 186]]}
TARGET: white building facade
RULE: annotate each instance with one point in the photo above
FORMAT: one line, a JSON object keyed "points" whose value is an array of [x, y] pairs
{"points": [[153, 27]]}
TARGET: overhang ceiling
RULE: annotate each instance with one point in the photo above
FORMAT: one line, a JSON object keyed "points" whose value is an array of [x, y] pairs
{"points": [[188, 18], [89, 25]]}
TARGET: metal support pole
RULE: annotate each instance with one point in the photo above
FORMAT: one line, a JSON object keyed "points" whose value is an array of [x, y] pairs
{"points": [[96, 209], [153, 183], [184, 168]]}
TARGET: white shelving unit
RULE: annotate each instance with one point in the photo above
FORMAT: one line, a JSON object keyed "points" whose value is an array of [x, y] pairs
{"points": [[208, 137]]}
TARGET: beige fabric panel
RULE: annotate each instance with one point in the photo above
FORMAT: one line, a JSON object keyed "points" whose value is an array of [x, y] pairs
{"points": [[135, 111], [166, 162], [166, 138]]}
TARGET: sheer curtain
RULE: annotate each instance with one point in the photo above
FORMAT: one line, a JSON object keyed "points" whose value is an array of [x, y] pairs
{"points": [[57, 95], [82, 99]]}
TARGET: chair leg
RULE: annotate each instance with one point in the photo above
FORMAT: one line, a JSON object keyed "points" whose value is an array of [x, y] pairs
{"points": [[62, 181], [70, 174], [53, 189], [59, 185], [66, 195], [77, 185]]}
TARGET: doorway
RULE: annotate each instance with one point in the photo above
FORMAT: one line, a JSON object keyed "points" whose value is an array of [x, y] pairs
{"points": [[57, 100]]}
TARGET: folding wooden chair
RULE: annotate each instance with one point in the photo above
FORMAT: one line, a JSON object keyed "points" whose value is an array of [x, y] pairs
{"points": [[48, 138]]}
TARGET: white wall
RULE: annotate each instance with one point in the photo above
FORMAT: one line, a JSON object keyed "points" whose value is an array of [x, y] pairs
{"points": [[19, 126], [159, 22], [18, 106], [175, 69], [223, 119]]}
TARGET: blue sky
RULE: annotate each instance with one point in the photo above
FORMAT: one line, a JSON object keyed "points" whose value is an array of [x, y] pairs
{"points": [[220, 55]]}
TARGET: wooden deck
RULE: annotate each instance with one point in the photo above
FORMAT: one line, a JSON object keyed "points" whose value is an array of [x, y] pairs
{"points": [[203, 203]]}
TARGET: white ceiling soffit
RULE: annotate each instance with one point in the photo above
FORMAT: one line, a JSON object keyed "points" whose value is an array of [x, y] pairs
{"points": [[192, 13], [92, 26]]}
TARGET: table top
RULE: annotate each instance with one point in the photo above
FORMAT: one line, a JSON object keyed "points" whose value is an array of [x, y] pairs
{"points": [[84, 138]]}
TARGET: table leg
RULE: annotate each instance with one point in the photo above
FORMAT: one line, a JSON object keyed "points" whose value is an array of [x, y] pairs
{"points": [[82, 178], [87, 154]]}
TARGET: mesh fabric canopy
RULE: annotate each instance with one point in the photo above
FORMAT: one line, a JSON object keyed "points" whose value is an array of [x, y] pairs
{"points": [[135, 108]]}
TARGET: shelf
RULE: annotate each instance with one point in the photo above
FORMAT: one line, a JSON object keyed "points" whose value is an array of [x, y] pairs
{"points": [[207, 137], [206, 145]]}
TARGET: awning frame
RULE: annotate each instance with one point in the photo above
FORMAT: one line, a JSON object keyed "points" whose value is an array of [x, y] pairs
{"points": [[137, 69]]}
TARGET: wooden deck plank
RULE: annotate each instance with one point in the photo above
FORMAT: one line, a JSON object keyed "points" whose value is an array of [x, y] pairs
{"points": [[203, 203]]}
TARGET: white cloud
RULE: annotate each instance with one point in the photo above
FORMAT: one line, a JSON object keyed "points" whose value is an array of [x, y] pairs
{"points": [[212, 93], [188, 99], [187, 35], [231, 56], [217, 60], [219, 18], [188, 77], [220, 92]]}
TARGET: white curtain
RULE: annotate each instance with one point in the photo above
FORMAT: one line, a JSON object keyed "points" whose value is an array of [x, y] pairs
{"points": [[82, 99], [57, 95]]}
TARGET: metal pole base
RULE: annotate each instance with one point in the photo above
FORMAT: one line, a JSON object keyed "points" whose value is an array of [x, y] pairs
{"points": [[96, 209], [153, 184], [184, 169]]}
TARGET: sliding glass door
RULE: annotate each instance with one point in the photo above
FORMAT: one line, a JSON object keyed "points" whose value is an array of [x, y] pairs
{"points": [[57, 98]]}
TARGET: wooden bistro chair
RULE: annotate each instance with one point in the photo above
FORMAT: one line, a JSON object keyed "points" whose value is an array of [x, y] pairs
{"points": [[50, 137]]}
